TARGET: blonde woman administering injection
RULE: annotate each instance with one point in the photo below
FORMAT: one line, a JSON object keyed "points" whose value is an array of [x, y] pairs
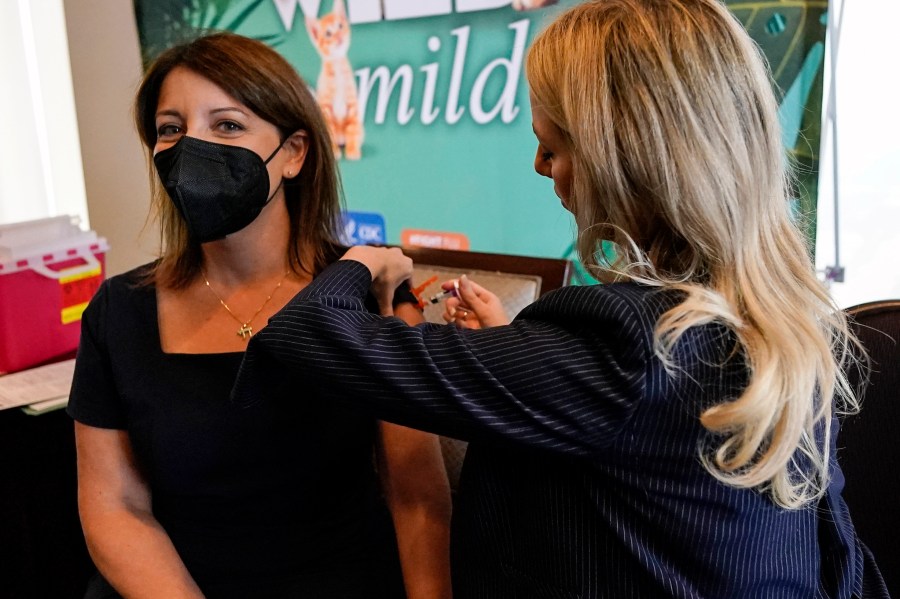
{"points": [[666, 434]]}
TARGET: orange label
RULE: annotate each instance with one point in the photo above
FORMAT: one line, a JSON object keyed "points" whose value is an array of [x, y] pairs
{"points": [[434, 239]]}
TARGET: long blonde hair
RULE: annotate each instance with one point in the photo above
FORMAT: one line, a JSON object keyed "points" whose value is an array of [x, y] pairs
{"points": [[677, 161]]}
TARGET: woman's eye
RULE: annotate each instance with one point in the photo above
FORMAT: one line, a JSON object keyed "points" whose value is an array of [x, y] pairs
{"points": [[230, 127], [168, 130], [546, 155]]}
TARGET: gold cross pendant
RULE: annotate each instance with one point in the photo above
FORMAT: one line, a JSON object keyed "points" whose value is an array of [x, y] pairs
{"points": [[245, 331]]}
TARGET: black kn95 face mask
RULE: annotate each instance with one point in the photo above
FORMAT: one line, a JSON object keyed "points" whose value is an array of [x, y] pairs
{"points": [[218, 189]]}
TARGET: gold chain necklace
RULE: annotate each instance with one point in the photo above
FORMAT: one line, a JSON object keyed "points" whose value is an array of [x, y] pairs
{"points": [[246, 330]]}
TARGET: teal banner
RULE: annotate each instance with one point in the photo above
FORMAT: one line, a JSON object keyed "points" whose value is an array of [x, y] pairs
{"points": [[440, 153]]}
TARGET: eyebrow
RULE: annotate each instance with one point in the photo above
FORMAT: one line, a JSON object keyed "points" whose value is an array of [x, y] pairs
{"points": [[160, 113], [228, 109], [172, 112]]}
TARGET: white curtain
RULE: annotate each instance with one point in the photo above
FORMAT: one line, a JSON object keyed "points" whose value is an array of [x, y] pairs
{"points": [[40, 156]]}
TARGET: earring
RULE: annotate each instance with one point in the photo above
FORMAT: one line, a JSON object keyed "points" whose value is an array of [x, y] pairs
{"points": [[290, 173]]}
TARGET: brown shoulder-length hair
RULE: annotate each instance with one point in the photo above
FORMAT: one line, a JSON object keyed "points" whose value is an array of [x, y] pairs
{"points": [[261, 79]]}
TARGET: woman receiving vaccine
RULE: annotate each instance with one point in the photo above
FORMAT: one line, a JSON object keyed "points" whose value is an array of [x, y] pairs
{"points": [[181, 493]]}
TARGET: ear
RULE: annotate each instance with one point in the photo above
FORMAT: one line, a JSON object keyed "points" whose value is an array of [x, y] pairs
{"points": [[296, 146], [338, 8], [312, 26]]}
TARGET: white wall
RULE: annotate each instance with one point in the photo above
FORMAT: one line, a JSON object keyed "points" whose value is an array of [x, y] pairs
{"points": [[106, 70]]}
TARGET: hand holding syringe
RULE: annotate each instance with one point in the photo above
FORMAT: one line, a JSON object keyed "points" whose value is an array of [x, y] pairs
{"points": [[469, 305]]}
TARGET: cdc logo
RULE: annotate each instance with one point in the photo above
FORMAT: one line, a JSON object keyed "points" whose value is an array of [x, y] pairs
{"points": [[363, 228]]}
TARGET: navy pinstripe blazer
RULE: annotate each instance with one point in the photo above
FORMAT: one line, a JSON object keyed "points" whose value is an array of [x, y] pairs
{"points": [[582, 477]]}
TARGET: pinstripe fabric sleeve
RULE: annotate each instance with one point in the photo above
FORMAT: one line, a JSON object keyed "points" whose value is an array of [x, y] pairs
{"points": [[565, 376]]}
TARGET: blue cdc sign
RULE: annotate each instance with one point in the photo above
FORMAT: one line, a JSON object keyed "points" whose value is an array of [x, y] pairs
{"points": [[363, 228]]}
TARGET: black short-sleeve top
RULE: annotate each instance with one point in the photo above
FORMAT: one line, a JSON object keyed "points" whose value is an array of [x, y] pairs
{"points": [[252, 499]]}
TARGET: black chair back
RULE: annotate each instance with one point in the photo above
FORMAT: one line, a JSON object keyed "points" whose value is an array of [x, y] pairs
{"points": [[869, 442]]}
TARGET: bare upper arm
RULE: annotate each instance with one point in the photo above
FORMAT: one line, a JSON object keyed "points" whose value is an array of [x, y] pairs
{"points": [[108, 474], [409, 313], [411, 465], [410, 460]]}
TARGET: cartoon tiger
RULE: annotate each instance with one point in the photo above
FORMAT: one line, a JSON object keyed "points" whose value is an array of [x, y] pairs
{"points": [[336, 87]]}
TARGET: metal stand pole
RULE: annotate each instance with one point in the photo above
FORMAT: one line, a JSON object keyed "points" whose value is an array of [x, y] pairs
{"points": [[835, 272]]}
